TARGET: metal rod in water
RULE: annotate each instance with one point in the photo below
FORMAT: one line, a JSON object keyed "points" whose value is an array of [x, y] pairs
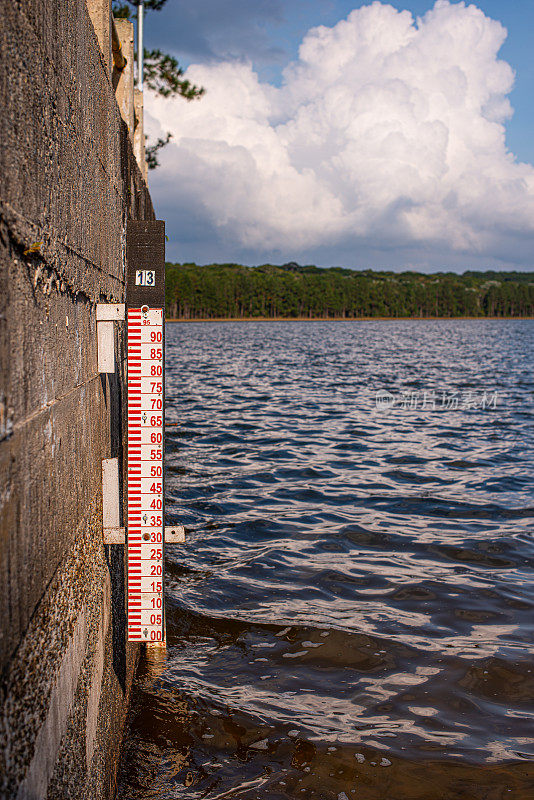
{"points": [[140, 12]]}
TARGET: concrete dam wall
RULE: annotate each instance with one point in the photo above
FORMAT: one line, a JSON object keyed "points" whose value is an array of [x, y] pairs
{"points": [[71, 128]]}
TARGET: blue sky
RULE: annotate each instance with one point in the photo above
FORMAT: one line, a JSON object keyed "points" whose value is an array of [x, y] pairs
{"points": [[266, 34]]}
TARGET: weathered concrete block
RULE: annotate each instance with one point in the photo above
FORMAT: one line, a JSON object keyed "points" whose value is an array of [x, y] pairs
{"points": [[100, 13], [139, 133], [123, 80], [69, 180]]}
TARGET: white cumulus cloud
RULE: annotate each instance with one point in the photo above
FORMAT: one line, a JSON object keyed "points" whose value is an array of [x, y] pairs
{"points": [[388, 131]]}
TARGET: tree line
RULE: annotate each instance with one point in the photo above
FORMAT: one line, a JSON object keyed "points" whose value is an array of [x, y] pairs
{"points": [[293, 291]]}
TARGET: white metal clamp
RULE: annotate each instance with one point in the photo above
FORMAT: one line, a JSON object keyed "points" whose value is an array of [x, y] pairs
{"points": [[106, 315], [113, 533]]}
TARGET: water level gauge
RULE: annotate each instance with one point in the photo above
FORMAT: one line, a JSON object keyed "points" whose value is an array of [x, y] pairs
{"points": [[145, 303]]}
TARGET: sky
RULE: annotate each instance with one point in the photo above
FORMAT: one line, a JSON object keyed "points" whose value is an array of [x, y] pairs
{"points": [[358, 134]]}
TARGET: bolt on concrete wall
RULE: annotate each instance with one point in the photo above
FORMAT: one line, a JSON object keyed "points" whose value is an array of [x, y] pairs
{"points": [[69, 180]]}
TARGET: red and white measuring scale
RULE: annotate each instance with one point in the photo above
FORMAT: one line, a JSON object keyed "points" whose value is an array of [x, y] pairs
{"points": [[145, 475], [145, 302]]}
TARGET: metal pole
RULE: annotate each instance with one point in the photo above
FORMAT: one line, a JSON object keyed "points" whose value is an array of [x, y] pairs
{"points": [[140, 12]]}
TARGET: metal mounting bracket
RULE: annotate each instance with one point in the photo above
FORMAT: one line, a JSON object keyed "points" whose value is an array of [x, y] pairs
{"points": [[112, 531], [174, 534], [106, 315]]}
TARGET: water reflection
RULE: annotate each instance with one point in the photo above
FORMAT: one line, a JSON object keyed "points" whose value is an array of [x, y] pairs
{"points": [[351, 615]]}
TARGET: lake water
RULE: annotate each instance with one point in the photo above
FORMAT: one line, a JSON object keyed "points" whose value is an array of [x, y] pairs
{"points": [[352, 614]]}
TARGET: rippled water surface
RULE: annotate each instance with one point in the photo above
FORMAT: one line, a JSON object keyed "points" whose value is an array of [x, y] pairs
{"points": [[352, 613]]}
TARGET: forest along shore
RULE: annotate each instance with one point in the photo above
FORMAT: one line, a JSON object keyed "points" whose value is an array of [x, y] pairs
{"points": [[235, 292], [330, 319]]}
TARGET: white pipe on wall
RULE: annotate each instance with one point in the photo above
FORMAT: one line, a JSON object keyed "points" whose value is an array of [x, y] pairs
{"points": [[140, 12]]}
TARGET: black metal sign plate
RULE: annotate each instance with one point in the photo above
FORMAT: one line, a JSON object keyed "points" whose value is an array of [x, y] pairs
{"points": [[145, 252]]}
